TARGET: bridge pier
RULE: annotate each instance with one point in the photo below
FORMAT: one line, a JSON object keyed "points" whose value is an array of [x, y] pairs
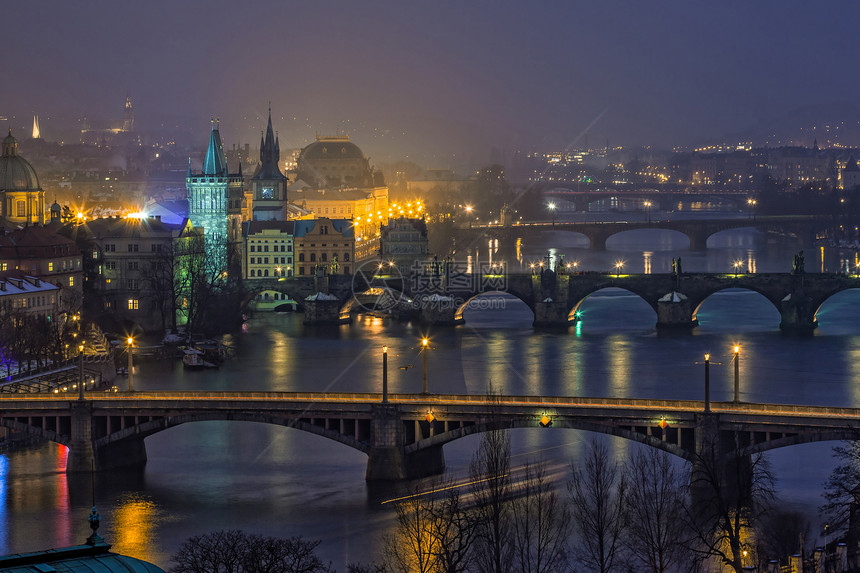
{"points": [[324, 309], [438, 310], [387, 459], [796, 311], [551, 307], [675, 311], [81, 452]]}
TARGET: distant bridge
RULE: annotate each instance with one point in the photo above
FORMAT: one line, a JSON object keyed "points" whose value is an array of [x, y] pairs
{"points": [[697, 230], [400, 439], [555, 298]]}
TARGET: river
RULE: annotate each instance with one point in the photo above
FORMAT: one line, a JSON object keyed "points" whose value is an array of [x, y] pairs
{"points": [[278, 481]]}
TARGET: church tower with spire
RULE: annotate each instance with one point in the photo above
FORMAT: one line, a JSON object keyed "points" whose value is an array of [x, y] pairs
{"points": [[211, 195], [269, 185]]}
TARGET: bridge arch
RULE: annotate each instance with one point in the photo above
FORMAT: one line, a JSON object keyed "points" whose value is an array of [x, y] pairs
{"points": [[698, 302], [819, 301], [576, 312], [473, 301], [145, 429], [376, 298], [468, 430], [674, 234]]}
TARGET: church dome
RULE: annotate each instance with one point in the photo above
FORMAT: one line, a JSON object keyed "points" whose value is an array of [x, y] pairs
{"points": [[16, 173], [331, 148]]}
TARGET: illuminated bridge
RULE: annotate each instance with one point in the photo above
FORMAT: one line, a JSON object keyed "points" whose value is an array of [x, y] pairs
{"points": [[404, 437]]}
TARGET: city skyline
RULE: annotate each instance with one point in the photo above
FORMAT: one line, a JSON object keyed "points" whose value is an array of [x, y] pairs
{"points": [[440, 80]]}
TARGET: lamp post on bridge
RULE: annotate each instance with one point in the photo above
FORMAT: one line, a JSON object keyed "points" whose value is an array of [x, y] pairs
{"points": [[424, 348], [81, 372], [737, 373], [385, 374], [130, 365], [707, 383]]}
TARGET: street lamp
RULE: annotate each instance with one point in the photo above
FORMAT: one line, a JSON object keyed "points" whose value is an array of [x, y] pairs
{"points": [[424, 348], [737, 265], [751, 208], [385, 374], [648, 210], [552, 210], [618, 266], [737, 373], [130, 341], [81, 373], [707, 382]]}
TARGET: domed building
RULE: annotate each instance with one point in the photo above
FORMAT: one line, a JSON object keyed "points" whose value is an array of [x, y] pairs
{"points": [[336, 162], [23, 200]]}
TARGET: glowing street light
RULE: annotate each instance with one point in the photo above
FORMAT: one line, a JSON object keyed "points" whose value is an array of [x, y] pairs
{"points": [[385, 374], [618, 266], [424, 348], [551, 207], [81, 372], [130, 341], [737, 265], [737, 350], [707, 382], [648, 210]]}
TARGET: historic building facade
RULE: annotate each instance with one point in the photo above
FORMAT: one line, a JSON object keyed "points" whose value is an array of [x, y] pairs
{"points": [[22, 196], [215, 204], [268, 184], [268, 249], [324, 244]]}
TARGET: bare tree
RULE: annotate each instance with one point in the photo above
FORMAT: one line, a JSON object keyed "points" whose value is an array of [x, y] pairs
{"points": [[597, 489], [729, 493], [541, 524], [435, 532], [782, 533], [238, 552], [490, 473], [656, 498], [842, 488]]}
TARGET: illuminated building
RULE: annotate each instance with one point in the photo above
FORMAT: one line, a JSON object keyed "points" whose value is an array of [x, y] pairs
{"points": [[322, 242], [403, 242], [29, 296], [334, 179], [849, 176], [131, 263], [215, 204], [22, 196], [268, 184], [41, 253], [268, 249], [37, 133]]}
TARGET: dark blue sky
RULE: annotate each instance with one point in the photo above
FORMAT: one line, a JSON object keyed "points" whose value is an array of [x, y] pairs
{"points": [[410, 78]]}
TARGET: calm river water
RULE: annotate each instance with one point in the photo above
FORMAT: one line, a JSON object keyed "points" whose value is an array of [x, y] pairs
{"points": [[274, 480]]}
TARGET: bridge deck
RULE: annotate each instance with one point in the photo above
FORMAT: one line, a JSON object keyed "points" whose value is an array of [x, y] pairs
{"points": [[460, 402]]}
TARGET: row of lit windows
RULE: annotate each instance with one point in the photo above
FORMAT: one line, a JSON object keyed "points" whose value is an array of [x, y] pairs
{"points": [[265, 248], [67, 264], [27, 302], [258, 273], [323, 257], [265, 260]]}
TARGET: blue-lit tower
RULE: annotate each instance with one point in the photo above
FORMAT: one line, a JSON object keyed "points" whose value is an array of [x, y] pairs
{"points": [[212, 197]]}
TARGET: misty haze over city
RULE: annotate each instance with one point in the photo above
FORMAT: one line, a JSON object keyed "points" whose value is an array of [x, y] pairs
{"points": [[441, 83]]}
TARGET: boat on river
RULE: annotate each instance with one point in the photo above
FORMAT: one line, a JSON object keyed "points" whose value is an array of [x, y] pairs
{"points": [[193, 359]]}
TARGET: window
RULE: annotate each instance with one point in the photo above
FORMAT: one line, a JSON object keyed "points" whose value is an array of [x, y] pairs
{"points": [[71, 281], [252, 248], [133, 247], [289, 260], [4, 266], [110, 248], [133, 284], [346, 257], [133, 304], [266, 273], [110, 265], [133, 265], [346, 269], [313, 257], [156, 247], [51, 267], [323, 257], [22, 208], [301, 270], [301, 258], [266, 249], [290, 248], [266, 260], [252, 260]]}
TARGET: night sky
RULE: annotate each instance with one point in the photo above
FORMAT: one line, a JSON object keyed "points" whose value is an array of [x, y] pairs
{"points": [[427, 80]]}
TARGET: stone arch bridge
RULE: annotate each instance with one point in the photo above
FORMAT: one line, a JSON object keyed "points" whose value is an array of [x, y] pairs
{"points": [[696, 230], [400, 437], [554, 298]]}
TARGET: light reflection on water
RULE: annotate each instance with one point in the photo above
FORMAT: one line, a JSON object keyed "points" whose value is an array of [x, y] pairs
{"points": [[274, 480]]}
